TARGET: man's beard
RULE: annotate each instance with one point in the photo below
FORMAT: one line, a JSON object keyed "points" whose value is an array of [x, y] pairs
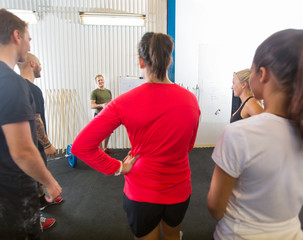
{"points": [[37, 73]]}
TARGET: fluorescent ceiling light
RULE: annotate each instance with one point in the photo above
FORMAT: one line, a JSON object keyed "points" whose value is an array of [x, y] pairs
{"points": [[27, 16], [112, 19]]}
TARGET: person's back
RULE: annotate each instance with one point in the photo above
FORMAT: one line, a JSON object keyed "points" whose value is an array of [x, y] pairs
{"points": [[270, 168], [161, 121]]}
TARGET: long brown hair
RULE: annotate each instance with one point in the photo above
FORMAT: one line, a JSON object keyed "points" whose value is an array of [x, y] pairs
{"points": [[282, 54]]}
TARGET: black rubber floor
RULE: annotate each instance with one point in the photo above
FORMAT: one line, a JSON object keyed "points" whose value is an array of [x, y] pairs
{"points": [[92, 207]]}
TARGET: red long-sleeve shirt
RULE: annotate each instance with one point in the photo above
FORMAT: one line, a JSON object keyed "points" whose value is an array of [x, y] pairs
{"points": [[161, 122]]}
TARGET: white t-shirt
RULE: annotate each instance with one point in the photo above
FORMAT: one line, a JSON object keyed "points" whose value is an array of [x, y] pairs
{"points": [[265, 154]]}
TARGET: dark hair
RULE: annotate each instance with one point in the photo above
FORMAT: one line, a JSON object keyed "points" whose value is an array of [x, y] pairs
{"points": [[8, 24], [155, 49], [282, 54]]}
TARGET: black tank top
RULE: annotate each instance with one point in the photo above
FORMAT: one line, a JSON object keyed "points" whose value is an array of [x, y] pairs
{"points": [[237, 115]]}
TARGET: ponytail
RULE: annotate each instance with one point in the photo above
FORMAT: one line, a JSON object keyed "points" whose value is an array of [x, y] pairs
{"points": [[160, 50], [155, 49], [296, 103]]}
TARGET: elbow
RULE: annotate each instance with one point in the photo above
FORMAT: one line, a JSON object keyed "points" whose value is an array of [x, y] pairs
{"points": [[215, 210], [216, 213], [75, 150], [93, 105], [81, 150]]}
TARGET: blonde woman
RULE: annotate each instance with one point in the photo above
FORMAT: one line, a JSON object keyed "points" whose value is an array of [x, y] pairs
{"points": [[250, 106]]}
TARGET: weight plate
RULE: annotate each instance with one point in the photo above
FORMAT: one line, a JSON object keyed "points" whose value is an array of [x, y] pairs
{"points": [[72, 160]]}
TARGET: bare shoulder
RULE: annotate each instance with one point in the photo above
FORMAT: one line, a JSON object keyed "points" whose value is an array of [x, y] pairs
{"points": [[253, 107]]}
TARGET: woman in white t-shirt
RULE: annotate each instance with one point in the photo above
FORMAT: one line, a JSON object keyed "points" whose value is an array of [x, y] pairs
{"points": [[256, 190]]}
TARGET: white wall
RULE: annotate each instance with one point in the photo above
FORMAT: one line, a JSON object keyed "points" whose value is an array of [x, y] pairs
{"points": [[72, 54], [215, 38]]}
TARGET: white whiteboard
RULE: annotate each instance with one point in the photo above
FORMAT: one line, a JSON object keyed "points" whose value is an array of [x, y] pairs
{"points": [[127, 83]]}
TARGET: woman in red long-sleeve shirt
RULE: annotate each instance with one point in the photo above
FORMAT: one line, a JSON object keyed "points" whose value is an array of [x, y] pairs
{"points": [[161, 119]]}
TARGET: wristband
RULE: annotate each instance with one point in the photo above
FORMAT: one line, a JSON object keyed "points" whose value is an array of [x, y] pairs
{"points": [[120, 169]]}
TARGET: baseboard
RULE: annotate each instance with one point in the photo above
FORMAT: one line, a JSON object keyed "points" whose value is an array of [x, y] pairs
{"points": [[205, 146]]}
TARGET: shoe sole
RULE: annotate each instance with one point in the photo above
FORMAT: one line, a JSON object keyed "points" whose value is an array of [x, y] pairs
{"points": [[50, 204]]}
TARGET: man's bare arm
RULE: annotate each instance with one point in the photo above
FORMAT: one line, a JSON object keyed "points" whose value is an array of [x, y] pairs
{"points": [[49, 149], [94, 105], [42, 137], [27, 157]]}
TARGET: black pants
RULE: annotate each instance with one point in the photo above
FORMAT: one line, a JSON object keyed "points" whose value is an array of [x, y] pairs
{"points": [[19, 208]]}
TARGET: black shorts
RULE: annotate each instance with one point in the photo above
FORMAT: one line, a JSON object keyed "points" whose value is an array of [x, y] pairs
{"points": [[144, 217]]}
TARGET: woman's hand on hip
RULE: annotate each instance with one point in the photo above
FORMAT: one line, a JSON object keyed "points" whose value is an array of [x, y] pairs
{"points": [[128, 162]]}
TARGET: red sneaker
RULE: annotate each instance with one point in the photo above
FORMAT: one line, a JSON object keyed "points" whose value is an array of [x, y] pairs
{"points": [[46, 204], [58, 200], [46, 223]]}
